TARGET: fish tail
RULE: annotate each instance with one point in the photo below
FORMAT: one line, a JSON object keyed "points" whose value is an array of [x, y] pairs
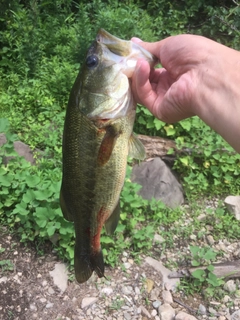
{"points": [[86, 263]]}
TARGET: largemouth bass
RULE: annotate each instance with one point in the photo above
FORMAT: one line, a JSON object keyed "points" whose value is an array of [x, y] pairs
{"points": [[96, 142]]}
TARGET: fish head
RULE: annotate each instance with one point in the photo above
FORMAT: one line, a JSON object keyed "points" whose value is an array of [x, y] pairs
{"points": [[109, 65]]}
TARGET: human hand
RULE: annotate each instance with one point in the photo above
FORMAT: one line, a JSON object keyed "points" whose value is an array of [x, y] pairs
{"points": [[198, 77]]}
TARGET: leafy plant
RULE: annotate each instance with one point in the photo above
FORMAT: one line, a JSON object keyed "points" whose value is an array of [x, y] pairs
{"points": [[204, 277]]}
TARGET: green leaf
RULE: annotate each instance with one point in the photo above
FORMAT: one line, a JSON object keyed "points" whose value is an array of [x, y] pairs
{"points": [[29, 196], [158, 124], [186, 124], [199, 274], [106, 240], [32, 181], [4, 125], [195, 263]]}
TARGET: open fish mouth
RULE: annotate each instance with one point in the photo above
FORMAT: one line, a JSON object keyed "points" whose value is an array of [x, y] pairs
{"points": [[125, 53]]}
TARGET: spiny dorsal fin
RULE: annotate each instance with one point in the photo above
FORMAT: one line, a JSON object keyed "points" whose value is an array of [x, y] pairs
{"points": [[112, 221], [136, 148]]}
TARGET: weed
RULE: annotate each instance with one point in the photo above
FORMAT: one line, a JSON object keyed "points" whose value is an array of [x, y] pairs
{"points": [[6, 265]]}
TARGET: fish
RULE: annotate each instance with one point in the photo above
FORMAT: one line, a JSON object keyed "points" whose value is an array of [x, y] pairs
{"points": [[97, 139]]}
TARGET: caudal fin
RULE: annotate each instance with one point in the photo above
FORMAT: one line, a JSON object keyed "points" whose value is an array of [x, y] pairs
{"points": [[85, 264]]}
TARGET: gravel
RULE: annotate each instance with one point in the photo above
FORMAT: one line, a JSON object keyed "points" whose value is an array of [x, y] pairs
{"points": [[129, 291]]}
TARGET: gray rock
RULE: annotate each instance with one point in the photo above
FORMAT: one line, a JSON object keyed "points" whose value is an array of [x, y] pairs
{"points": [[158, 239], [170, 284], [158, 182], [60, 276], [107, 291], [230, 286], [127, 316], [212, 311], [210, 240], [184, 316], [167, 297], [21, 149], [88, 301], [145, 312], [235, 315], [202, 309], [233, 205], [156, 304], [166, 312]]}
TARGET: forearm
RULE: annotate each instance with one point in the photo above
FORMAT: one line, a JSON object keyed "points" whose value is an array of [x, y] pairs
{"points": [[218, 99]]}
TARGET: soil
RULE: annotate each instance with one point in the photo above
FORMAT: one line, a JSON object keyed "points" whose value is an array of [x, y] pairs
{"points": [[28, 292]]}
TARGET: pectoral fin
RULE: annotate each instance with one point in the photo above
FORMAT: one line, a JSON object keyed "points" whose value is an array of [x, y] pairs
{"points": [[107, 145], [136, 148], [112, 222]]}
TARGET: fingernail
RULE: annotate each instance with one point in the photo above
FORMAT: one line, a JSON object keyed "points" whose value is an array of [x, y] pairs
{"points": [[136, 40]]}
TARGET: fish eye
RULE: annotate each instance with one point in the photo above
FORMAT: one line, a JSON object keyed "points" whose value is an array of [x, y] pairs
{"points": [[92, 61]]}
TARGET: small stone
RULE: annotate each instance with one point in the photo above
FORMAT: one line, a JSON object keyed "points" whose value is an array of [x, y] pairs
{"points": [[226, 299], [230, 286], [43, 300], [88, 301], [60, 276], [184, 316], [156, 304], [145, 312], [233, 205], [201, 217], [3, 279], [33, 307], [166, 312], [193, 237], [154, 313], [107, 291], [137, 290], [127, 265], [149, 285], [44, 283], [221, 318], [235, 315], [127, 316], [202, 309], [167, 297], [210, 240], [127, 290], [155, 293], [158, 239], [212, 311], [49, 305], [50, 290]]}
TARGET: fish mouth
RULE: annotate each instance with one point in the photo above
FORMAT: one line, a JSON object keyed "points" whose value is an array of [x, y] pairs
{"points": [[124, 52]]}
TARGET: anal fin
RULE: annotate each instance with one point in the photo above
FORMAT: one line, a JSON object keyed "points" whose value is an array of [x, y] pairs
{"points": [[112, 221]]}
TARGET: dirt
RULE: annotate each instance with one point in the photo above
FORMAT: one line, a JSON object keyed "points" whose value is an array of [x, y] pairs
{"points": [[28, 292]]}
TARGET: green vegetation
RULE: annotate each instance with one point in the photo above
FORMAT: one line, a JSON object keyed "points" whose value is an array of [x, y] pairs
{"points": [[42, 44]]}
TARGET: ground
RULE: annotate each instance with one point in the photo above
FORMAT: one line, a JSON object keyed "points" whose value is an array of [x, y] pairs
{"points": [[28, 292]]}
